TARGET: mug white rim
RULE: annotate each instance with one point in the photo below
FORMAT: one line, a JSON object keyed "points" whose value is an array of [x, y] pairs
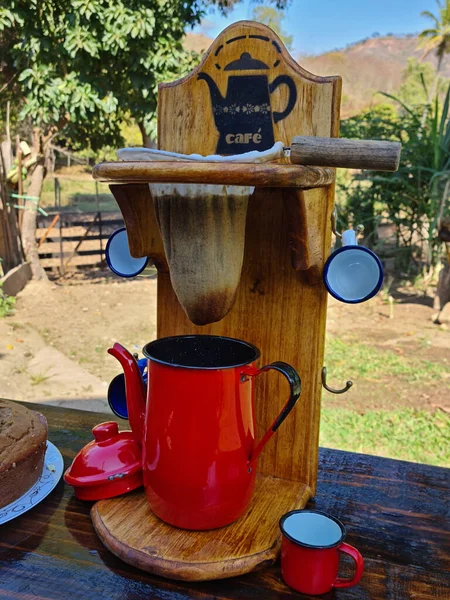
{"points": [[110, 263], [375, 289], [312, 546]]}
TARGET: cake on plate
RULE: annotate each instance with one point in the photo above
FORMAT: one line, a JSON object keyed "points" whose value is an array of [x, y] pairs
{"points": [[23, 442]]}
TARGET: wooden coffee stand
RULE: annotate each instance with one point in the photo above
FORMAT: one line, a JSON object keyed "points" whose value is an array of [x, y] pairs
{"points": [[281, 300]]}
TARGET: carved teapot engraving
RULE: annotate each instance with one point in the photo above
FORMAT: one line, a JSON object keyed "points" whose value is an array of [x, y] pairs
{"points": [[244, 117]]}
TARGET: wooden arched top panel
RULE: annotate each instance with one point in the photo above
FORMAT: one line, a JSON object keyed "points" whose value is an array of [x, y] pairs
{"points": [[247, 93]]}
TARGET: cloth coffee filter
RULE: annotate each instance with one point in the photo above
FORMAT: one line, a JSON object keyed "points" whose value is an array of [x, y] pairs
{"points": [[203, 230]]}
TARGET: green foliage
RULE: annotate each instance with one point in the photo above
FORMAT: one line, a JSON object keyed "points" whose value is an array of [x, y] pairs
{"points": [[362, 204], [413, 197], [130, 135], [85, 66], [7, 303], [273, 18], [406, 434], [417, 80], [437, 37], [38, 378], [82, 67]]}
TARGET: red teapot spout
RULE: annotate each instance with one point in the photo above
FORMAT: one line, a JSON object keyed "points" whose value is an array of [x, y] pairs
{"points": [[134, 390]]}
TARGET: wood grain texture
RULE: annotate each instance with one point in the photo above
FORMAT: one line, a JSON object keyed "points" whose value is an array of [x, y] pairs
{"points": [[276, 308], [129, 529], [136, 205], [187, 102], [306, 251], [396, 514], [345, 153], [261, 175]]}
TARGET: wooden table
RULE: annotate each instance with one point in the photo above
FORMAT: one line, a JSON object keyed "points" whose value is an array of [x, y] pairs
{"points": [[396, 513]]}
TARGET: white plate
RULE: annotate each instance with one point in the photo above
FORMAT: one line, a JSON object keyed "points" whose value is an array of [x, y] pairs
{"points": [[51, 474]]}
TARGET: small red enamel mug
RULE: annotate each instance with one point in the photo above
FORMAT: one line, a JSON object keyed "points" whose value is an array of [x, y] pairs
{"points": [[310, 550]]}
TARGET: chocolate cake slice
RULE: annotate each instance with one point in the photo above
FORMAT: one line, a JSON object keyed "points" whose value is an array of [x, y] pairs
{"points": [[23, 441]]}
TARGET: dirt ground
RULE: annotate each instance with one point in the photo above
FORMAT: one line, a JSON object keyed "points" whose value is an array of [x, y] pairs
{"points": [[405, 330], [80, 317]]}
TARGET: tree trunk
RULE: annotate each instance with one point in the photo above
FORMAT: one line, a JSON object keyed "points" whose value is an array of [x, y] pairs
{"points": [[147, 141], [31, 206], [442, 296], [29, 222], [11, 254]]}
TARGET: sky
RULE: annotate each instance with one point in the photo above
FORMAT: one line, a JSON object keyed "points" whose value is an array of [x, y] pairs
{"points": [[322, 25]]}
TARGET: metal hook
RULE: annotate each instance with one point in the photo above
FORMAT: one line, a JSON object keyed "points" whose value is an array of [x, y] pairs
{"points": [[334, 223], [359, 228], [348, 385], [360, 231]]}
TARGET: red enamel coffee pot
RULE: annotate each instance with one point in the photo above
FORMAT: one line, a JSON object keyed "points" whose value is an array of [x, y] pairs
{"points": [[197, 428]]}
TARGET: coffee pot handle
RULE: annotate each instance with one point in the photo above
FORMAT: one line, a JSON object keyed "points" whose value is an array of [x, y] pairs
{"points": [[279, 116], [295, 385]]}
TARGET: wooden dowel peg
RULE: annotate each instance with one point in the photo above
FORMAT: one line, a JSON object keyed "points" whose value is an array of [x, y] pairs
{"points": [[344, 153]]}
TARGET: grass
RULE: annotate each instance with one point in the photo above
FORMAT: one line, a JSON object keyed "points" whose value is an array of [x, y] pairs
{"points": [[78, 194], [7, 304], [402, 433], [357, 360], [38, 378], [406, 434]]}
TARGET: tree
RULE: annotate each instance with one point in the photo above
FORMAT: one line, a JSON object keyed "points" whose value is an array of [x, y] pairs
{"points": [[417, 80], [416, 197], [437, 39], [78, 68], [273, 18]]}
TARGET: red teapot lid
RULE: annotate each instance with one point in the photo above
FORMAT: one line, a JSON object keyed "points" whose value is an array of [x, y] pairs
{"points": [[108, 466]]}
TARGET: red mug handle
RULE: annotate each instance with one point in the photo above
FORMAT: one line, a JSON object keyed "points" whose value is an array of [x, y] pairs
{"points": [[295, 385], [359, 562]]}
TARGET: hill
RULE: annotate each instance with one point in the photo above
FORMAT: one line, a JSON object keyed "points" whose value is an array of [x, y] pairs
{"points": [[366, 67], [199, 42], [369, 66]]}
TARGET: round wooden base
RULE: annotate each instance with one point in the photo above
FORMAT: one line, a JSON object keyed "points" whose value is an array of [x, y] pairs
{"points": [[129, 529]]}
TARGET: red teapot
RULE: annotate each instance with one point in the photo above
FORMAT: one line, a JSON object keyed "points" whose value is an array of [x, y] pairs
{"points": [[197, 428]]}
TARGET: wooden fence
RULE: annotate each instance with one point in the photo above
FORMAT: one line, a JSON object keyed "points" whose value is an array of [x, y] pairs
{"points": [[72, 240]]}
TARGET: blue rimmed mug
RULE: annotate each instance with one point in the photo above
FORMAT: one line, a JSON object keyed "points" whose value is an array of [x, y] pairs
{"points": [[353, 273], [118, 256], [117, 398]]}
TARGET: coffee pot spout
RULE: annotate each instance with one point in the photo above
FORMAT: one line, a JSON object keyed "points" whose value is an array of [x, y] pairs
{"points": [[216, 97], [134, 390]]}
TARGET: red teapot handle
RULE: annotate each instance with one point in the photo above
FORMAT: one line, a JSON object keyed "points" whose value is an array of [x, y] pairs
{"points": [[295, 385]]}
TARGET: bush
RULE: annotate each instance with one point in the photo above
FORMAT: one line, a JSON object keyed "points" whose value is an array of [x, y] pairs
{"points": [[6, 303], [414, 197]]}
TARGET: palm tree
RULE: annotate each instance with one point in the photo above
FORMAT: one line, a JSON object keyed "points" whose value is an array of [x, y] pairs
{"points": [[436, 39]]}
